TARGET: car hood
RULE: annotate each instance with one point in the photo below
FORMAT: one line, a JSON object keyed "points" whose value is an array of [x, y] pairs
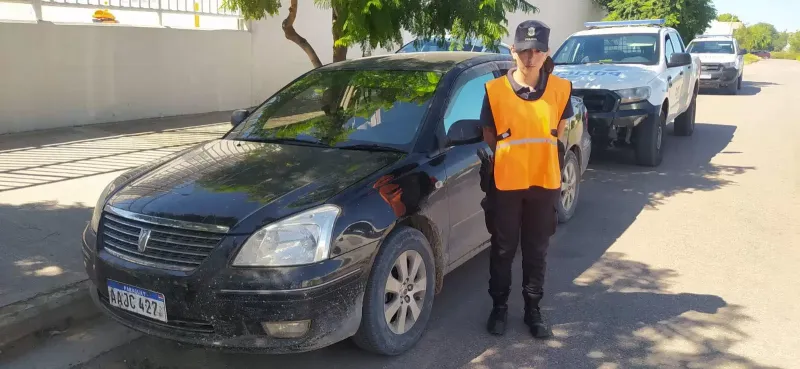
{"points": [[604, 76], [716, 58], [224, 181]]}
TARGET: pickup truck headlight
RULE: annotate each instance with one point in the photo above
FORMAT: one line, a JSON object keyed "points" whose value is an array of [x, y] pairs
{"points": [[728, 65], [630, 95], [304, 238]]}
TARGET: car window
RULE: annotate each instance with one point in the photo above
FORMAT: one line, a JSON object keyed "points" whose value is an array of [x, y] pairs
{"points": [[505, 51], [467, 100], [668, 49], [711, 47], [345, 107], [609, 48], [676, 43]]}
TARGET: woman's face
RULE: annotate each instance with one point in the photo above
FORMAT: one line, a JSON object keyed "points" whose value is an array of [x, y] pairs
{"points": [[530, 60]]}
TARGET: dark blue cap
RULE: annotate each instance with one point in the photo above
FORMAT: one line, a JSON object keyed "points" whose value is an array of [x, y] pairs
{"points": [[532, 34]]}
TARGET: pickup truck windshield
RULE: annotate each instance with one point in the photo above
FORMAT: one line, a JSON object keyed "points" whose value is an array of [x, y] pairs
{"points": [[710, 47], [344, 108], [610, 48]]}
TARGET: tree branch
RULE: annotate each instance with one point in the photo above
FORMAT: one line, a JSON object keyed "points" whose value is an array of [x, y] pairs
{"points": [[292, 35], [340, 52]]}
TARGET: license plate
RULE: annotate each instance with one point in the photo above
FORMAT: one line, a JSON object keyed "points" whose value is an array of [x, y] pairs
{"points": [[137, 300], [705, 76]]}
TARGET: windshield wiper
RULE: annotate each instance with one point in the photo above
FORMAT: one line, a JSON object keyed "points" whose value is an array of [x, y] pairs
{"points": [[371, 147], [285, 140]]}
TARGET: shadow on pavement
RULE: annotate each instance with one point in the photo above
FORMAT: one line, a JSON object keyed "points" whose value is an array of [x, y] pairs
{"points": [[41, 158], [40, 248], [606, 309], [749, 88]]}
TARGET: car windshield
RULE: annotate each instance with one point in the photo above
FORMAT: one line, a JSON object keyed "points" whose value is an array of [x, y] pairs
{"points": [[710, 47], [345, 108], [611, 49]]}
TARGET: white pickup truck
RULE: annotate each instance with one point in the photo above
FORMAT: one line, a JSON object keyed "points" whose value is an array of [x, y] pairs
{"points": [[634, 77], [723, 61]]}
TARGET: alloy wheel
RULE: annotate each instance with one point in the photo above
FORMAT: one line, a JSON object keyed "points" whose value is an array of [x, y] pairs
{"points": [[569, 182], [405, 292]]}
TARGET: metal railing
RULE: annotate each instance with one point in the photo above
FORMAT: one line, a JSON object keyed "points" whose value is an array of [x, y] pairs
{"points": [[192, 7]]}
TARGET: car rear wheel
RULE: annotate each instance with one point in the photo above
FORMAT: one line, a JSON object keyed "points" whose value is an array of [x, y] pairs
{"points": [[570, 187], [650, 140], [684, 124], [399, 295]]}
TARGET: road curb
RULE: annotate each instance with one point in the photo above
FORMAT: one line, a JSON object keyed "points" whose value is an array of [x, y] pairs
{"points": [[51, 310]]}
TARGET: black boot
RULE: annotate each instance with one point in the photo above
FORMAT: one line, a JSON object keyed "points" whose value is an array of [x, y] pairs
{"points": [[533, 317], [497, 320]]}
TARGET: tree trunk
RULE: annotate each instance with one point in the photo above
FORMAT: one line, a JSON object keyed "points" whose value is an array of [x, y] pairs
{"points": [[340, 52], [292, 35]]}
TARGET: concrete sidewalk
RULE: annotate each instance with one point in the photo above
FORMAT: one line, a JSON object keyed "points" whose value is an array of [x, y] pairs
{"points": [[49, 183]]}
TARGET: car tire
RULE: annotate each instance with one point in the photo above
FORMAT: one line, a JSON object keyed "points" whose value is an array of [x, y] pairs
{"points": [[650, 141], [376, 334], [733, 88], [684, 124], [571, 178]]}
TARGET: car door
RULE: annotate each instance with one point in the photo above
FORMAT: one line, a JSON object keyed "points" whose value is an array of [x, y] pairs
{"points": [[674, 80], [683, 75], [467, 224]]}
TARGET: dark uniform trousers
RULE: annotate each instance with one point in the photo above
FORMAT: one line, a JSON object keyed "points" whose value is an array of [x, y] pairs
{"points": [[527, 218]]}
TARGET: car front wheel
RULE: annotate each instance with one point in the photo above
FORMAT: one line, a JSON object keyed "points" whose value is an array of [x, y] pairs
{"points": [[399, 295], [570, 187], [650, 140]]}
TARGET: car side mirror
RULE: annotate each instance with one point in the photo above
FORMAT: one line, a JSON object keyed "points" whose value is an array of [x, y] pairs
{"points": [[465, 132], [238, 116], [680, 60]]}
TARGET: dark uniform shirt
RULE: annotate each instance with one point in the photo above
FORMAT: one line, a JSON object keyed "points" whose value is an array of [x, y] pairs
{"points": [[526, 93]]}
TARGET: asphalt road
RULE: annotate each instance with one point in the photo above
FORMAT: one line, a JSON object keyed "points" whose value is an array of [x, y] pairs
{"points": [[692, 264]]}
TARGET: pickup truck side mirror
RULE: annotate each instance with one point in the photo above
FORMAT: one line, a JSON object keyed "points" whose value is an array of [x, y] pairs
{"points": [[465, 132], [238, 116], [679, 60]]}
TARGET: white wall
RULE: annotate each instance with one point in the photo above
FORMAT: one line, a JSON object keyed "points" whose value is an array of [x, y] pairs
{"points": [[56, 75], [63, 75]]}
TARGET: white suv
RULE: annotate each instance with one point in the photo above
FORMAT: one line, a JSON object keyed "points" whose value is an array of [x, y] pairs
{"points": [[723, 61], [634, 77]]}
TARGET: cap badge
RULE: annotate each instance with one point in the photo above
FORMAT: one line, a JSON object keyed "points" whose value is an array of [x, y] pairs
{"points": [[531, 31]]}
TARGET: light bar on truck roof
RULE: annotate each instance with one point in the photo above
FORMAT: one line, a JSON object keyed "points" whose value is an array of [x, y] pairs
{"points": [[711, 36], [626, 23]]}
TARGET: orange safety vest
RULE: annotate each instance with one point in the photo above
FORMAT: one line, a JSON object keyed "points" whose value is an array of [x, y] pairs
{"points": [[528, 156]]}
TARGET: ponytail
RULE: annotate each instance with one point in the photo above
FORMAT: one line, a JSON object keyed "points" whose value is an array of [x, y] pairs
{"points": [[549, 65]]}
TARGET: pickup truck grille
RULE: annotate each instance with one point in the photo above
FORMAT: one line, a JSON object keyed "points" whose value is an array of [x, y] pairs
{"points": [[597, 101], [168, 247], [711, 67]]}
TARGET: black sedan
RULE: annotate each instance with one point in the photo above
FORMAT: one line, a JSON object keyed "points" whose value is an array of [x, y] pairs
{"points": [[332, 210]]}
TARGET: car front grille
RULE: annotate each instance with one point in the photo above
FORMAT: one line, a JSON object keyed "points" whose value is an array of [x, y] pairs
{"points": [[597, 101], [711, 67], [168, 247]]}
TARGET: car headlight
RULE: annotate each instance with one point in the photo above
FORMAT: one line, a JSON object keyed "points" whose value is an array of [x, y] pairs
{"points": [[101, 203], [304, 238], [630, 95], [729, 65]]}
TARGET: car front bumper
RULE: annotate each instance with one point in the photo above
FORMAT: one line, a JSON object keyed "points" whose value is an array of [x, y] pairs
{"points": [[226, 309], [607, 116], [717, 78]]}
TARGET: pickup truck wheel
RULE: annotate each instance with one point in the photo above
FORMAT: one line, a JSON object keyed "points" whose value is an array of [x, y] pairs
{"points": [[733, 88], [684, 124], [650, 141], [570, 188], [399, 296]]}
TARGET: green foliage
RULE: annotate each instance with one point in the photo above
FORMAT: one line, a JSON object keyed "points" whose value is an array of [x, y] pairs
{"points": [[759, 36], [750, 59], [780, 41], [728, 17], [378, 23], [794, 42], [689, 17], [784, 55]]}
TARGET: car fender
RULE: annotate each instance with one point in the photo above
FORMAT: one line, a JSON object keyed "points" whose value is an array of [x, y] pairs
{"points": [[659, 90]]}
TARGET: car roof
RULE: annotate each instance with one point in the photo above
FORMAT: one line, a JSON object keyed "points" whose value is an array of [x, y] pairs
{"points": [[621, 30], [437, 61]]}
